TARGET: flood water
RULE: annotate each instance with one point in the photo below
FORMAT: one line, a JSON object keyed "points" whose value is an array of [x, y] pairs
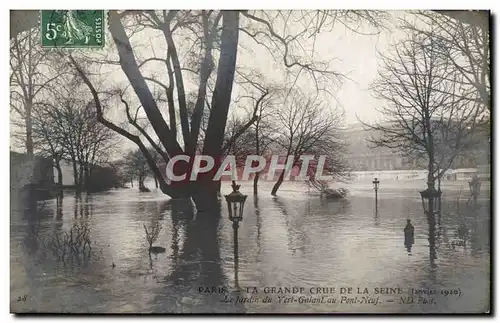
{"points": [[296, 239]]}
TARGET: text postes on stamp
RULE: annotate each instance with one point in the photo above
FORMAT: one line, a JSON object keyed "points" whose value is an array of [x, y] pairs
{"points": [[72, 28]]}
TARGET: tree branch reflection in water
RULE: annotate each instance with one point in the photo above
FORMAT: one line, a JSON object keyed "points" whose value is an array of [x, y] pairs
{"points": [[197, 264], [258, 219]]}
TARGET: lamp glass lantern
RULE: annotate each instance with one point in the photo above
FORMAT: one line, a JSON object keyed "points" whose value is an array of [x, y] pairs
{"points": [[431, 196], [376, 183], [235, 204]]}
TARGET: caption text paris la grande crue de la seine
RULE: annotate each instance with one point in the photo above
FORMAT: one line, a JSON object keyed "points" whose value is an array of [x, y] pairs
{"points": [[334, 295]]}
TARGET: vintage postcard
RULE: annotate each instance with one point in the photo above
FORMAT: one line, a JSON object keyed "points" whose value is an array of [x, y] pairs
{"points": [[250, 161]]}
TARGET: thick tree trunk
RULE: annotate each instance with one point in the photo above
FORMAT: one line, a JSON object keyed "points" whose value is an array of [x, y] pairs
{"points": [[81, 179], [278, 184], [255, 184], [59, 206], [430, 166], [75, 176], [205, 196], [430, 175], [29, 130], [170, 99], [205, 72], [257, 151], [86, 182], [439, 180], [129, 66], [57, 165], [430, 149], [142, 187], [223, 86], [219, 185], [179, 81]]}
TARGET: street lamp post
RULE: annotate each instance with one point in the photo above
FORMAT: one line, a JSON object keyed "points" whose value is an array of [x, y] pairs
{"points": [[235, 204], [376, 183]]}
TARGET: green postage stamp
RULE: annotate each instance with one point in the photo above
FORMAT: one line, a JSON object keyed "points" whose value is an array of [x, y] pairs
{"points": [[72, 28]]}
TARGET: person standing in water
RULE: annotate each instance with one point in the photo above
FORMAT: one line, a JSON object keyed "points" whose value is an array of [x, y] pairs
{"points": [[409, 235]]}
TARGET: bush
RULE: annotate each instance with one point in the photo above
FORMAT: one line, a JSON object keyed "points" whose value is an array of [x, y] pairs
{"points": [[71, 245], [153, 233]]}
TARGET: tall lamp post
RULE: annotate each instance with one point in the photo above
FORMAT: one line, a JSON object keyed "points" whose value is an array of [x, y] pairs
{"points": [[235, 204], [376, 183]]}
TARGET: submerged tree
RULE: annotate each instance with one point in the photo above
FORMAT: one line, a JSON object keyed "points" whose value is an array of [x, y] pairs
{"points": [[306, 126], [153, 234], [48, 140], [137, 167]]}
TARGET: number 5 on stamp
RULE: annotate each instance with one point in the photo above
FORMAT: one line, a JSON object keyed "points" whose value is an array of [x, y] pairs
{"points": [[72, 28]]}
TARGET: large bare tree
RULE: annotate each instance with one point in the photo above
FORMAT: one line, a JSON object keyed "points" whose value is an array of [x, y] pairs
{"points": [[31, 75], [465, 43], [426, 119], [307, 126], [213, 37]]}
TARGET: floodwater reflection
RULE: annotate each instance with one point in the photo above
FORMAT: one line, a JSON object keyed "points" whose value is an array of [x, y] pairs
{"points": [[293, 239]]}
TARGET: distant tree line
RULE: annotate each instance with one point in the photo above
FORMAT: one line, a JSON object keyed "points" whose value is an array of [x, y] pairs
{"points": [[51, 114]]}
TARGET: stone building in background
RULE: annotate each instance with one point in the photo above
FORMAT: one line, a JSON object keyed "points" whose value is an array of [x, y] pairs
{"points": [[362, 156], [31, 179]]}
